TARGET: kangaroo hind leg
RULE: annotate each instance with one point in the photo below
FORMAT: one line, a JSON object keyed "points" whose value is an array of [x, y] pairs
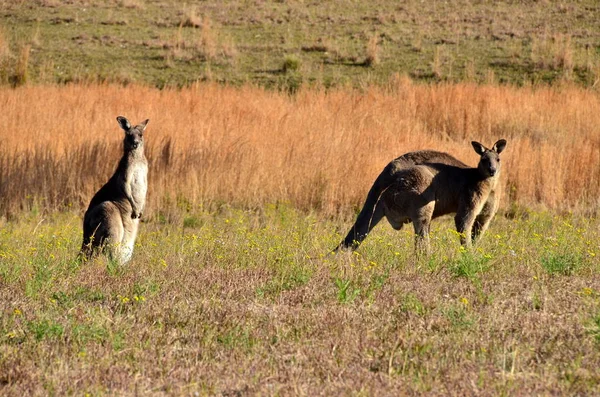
{"points": [[421, 224], [103, 231], [130, 228]]}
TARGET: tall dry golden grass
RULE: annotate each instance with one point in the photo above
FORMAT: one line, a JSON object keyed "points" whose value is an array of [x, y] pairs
{"points": [[318, 150]]}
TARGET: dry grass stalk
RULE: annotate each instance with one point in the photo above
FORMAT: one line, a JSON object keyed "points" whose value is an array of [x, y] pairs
{"points": [[563, 54], [470, 73], [229, 48], [208, 44], [134, 4], [373, 52], [436, 64], [191, 18], [36, 41], [555, 53], [4, 45], [21, 74]]}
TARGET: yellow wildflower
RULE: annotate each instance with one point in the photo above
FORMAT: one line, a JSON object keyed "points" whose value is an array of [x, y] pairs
{"points": [[587, 291]]}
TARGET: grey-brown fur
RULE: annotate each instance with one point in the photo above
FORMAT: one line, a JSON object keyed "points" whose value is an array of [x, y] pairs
{"points": [[420, 186], [112, 218]]}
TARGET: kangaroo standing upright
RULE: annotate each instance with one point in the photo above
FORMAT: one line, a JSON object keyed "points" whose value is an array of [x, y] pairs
{"points": [[112, 218], [419, 186]]}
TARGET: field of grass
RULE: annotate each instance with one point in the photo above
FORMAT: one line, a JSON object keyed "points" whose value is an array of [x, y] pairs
{"points": [[232, 289], [317, 150], [291, 42], [244, 302]]}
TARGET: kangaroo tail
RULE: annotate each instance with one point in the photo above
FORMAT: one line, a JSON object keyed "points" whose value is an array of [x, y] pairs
{"points": [[91, 242], [86, 251], [370, 215]]}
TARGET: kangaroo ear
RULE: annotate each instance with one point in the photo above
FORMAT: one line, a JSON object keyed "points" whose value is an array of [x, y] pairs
{"points": [[143, 124], [124, 123], [479, 148], [499, 146]]}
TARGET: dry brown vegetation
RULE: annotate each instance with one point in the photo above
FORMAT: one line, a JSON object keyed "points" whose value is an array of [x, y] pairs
{"points": [[316, 150], [231, 290], [242, 298]]}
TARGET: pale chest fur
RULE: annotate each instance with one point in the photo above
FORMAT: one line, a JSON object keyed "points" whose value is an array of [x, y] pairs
{"points": [[492, 184], [484, 191], [137, 178]]}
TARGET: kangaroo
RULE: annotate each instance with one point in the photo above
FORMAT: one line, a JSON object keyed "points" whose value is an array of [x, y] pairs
{"points": [[420, 186], [112, 218]]}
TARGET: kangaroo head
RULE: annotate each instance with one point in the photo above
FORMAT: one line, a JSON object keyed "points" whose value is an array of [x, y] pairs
{"points": [[134, 136], [489, 163]]}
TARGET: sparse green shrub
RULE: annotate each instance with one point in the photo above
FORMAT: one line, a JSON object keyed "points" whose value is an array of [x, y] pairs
{"points": [[536, 301], [45, 329], [236, 337], [191, 222], [291, 63], [373, 50], [376, 283], [561, 263], [21, 73], [290, 82], [412, 304], [594, 329], [346, 291], [85, 333], [458, 316], [288, 280], [469, 265]]}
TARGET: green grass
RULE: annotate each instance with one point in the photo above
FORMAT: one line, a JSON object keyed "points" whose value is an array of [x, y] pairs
{"points": [[286, 43], [251, 301], [564, 263]]}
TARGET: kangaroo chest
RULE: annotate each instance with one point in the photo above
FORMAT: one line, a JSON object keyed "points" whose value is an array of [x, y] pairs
{"points": [[138, 180], [451, 196], [477, 195]]}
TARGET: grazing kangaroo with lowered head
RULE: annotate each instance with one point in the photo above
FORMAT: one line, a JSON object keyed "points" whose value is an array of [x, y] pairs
{"points": [[419, 186], [112, 218]]}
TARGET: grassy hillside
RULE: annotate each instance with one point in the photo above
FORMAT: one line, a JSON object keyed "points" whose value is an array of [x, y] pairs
{"points": [[286, 43]]}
